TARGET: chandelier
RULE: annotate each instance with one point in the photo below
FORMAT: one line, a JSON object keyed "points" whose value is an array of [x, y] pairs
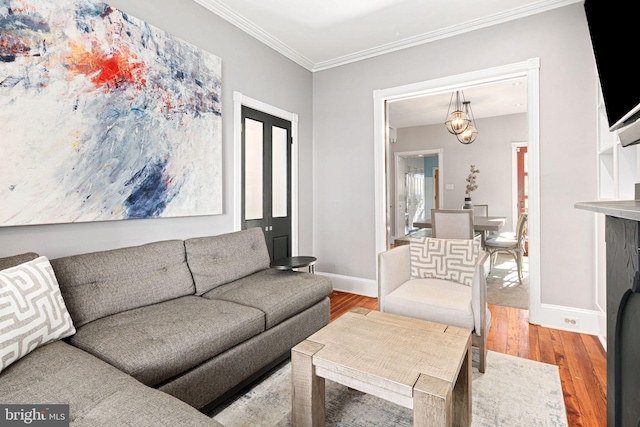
{"points": [[460, 121], [457, 120], [470, 133]]}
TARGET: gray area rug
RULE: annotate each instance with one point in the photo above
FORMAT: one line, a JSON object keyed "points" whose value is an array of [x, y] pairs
{"points": [[503, 287], [512, 392]]}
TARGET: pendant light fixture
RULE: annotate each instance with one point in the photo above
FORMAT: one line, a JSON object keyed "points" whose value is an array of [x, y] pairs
{"points": [[470, 133], [457, 120]]}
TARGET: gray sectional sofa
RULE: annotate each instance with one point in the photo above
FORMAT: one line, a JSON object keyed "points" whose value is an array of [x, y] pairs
{"points": [[167, 330]]}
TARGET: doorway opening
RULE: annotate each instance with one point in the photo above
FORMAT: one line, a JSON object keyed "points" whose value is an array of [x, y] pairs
{"points": [[240, 101], [527, 69], [416, 188], [266, 184]]}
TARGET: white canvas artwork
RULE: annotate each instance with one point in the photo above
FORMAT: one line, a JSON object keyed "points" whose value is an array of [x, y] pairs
{"points": [[104, 117]]}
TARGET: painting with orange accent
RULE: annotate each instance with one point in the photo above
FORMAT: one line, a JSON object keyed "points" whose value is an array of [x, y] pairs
{"points": [[104, 117]]}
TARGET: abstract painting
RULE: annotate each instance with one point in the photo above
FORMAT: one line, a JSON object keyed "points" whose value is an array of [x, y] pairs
{"points": [[104, 117]]}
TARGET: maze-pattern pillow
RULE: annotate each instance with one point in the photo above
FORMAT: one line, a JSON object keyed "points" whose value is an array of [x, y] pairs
{"points": [[448, 259], [32, 311]]}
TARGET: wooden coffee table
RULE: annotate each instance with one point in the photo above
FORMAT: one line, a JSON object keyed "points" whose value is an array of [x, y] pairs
{"points": [[420, 365]]}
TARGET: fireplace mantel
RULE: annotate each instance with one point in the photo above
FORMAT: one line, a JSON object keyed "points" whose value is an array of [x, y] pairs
{"points": [[626, 209], [622, 236]]}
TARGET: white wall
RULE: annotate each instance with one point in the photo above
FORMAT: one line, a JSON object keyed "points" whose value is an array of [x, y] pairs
{"points": [[490, 152], [343, 152], [248, 66]]}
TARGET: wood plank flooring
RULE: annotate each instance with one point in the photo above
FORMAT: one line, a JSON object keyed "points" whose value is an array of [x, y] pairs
{"points": [[580, 358]]}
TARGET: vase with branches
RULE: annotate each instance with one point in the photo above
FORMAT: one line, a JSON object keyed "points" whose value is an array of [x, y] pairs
{"points": [[471, 186]]}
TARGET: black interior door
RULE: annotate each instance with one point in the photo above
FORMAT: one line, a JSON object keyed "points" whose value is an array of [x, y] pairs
{"points": [[266, 172]]}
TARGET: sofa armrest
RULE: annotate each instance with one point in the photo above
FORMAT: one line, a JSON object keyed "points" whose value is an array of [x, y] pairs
{"points": [[394, 268]]}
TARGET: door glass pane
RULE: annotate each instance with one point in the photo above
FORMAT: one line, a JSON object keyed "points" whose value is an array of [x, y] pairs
{"points": [[279, 172], [253, 169], [415, 180]]}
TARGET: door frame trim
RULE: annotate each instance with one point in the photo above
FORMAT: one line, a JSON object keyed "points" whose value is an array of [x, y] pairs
{"points": [[529, 69], [240, 100]]}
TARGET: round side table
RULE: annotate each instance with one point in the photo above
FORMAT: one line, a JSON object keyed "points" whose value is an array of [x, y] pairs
{"points": [[290, 263]]}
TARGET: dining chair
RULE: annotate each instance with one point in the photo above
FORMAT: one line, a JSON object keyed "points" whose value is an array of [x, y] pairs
{"points": [[452, 223], [483, 210], [480, 210], [512, 243]]}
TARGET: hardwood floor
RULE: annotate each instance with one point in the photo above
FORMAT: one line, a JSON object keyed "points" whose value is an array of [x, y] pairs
{"points": [[580, 358]]}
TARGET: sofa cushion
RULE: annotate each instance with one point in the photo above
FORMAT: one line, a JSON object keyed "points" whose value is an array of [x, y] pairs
{"points": [[99, 284], [450, 259], [213, 378], [216, 260], [158, 342], [436, 300], [14, 260], [97, 394], [32, 311], [279, 294]]}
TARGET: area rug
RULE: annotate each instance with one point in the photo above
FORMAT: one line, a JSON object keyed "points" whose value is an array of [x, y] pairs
{"points": [[512, 392], [503, 287]]}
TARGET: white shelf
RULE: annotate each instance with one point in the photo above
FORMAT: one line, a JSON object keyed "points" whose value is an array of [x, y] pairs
{"points": [[605, 151], [606, 174], [606, 139]]}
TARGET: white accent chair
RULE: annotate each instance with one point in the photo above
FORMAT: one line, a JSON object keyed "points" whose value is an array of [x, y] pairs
{"points": [[435, 300], [511, 243]]}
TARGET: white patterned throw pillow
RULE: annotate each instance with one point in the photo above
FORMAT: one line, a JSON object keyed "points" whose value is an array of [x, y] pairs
{"points": [[32, 311], [448, 259]]}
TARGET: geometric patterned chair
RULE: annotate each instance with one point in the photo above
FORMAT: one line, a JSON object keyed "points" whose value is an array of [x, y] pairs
{"points": [[439, 280]]}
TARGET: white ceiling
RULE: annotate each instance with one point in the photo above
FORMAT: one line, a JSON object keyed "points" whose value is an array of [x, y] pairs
{"points": [[322, 34], [496, 99]]}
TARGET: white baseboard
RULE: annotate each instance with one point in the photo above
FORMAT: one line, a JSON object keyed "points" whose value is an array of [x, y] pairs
{"points": [[602, 336], [562, 317], [603, 341], [352, 285]]}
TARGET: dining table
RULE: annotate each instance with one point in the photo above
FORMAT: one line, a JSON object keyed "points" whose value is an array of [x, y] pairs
{"points": [[481, 224]]}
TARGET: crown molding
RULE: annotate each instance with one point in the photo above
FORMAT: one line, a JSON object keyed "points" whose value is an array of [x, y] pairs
{"points": [[455, 30], [250, 28], [256, 32]]}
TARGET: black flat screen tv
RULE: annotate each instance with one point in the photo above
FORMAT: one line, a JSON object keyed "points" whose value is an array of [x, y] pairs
{"points": [[613, 27]]}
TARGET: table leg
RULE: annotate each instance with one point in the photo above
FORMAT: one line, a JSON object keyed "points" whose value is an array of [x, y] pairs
{"points": [[307, 389], [432, 402], [439, 403], [462, 407]]}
